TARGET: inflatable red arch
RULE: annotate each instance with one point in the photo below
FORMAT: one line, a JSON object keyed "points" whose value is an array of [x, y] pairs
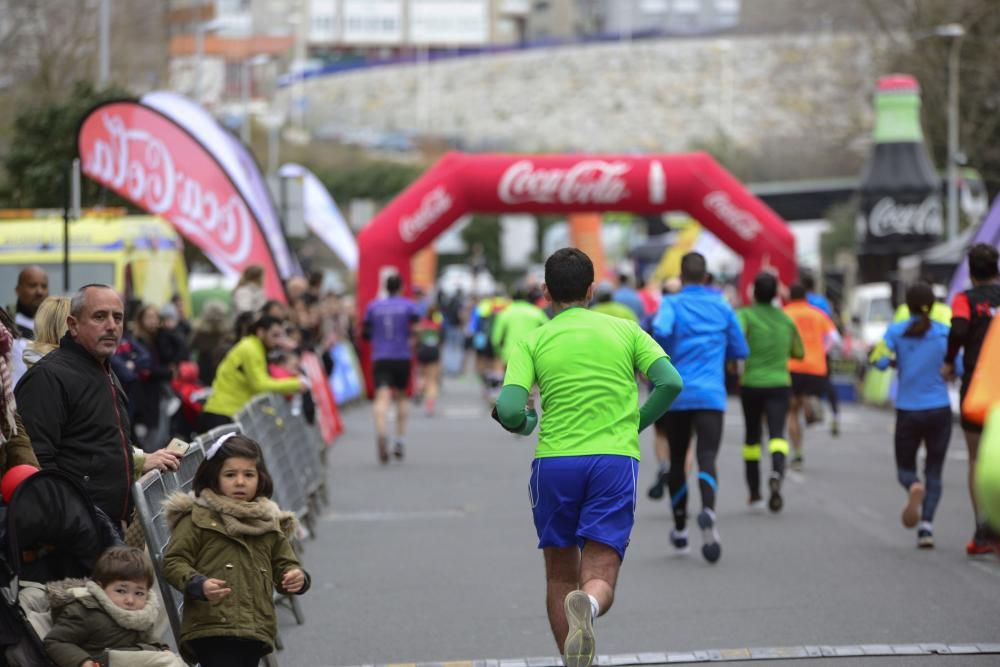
{"points": [[460, 184]]}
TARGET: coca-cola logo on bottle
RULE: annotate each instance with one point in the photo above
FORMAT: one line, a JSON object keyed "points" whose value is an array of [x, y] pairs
{"points": [[586, 182], [742, 223], [434, 204], [889, 217], [139, 165]]}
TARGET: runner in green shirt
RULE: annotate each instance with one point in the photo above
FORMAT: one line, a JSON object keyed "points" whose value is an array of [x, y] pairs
{"points": [[772, 338], [514, 322], [603, 295], [582, 485]]}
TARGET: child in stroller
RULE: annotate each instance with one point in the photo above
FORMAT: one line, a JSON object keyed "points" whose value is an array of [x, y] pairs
{"points": [[49, 532], [108, 621]]}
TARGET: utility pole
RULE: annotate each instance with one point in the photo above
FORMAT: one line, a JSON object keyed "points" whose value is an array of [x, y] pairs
{"points": [[104, 59], [199, 50], [954, 32]]}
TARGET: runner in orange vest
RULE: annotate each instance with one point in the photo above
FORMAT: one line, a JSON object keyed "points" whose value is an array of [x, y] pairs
{"points": [[809, 381]]}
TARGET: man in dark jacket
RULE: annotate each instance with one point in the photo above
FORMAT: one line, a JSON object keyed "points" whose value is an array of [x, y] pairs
{"points": [[75, 411]]}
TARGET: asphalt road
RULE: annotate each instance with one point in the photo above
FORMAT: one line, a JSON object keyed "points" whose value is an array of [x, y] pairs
{"points": [[434, 559]]}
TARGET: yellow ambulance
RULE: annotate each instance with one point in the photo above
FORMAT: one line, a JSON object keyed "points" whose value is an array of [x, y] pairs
{"points": [[139, 255]]}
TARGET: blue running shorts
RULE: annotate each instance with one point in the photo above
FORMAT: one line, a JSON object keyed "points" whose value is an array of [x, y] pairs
{"points": [[580, 498]]}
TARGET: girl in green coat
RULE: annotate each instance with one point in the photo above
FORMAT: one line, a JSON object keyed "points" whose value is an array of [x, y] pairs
{"points": [[228, 551]]}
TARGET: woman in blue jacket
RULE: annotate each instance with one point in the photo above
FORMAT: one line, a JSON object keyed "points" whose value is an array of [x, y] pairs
{"points": [[923, 409]]}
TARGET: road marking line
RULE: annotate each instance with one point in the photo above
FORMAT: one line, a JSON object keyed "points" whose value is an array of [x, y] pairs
{"points": [[393, 515], [735, 655]]}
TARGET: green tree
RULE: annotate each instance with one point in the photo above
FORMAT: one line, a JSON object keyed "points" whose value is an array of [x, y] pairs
{"points": [[377, 180], [484, 232], [44, 144]]}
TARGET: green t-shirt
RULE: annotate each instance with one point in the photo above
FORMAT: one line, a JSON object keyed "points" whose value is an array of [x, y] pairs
{"points": [[584, 364], [615, 309], [771, 336], [513, 323]]}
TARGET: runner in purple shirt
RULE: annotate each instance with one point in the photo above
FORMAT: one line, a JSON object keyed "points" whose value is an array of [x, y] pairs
{"points": [[388, 325]]}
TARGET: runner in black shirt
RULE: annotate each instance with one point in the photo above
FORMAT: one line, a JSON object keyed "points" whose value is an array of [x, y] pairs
{"points": [[972, 312]]}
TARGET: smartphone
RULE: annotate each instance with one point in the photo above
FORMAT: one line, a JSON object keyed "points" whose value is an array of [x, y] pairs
{"points": [[179, 446]]}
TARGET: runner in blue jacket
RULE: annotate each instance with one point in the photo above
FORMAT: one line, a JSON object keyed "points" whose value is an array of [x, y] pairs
{"points": [[700, 332]]}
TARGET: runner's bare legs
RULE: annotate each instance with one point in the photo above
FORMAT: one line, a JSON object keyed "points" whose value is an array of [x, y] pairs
{"points": [[402, 410], [380, 410], [595, 571], [795, 424]]}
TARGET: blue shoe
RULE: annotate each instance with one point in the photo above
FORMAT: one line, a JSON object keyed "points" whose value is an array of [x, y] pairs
{"points": [[711, 549]]}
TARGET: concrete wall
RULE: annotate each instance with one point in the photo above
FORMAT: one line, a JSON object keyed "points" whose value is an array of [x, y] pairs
{"points": [[762, 92]]}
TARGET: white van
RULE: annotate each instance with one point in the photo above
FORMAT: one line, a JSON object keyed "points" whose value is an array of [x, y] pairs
{"points": [[871, 312]]}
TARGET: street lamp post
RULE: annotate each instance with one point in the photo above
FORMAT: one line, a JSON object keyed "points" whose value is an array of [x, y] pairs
{"points": [[954, 32], [104, 56]]}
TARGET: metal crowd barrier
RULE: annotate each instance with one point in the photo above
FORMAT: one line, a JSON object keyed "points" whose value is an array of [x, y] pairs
{"points": [[260, 420], [306, 449], [149, 493]]}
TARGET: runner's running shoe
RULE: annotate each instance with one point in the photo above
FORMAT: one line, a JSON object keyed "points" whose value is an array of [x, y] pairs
{"points": [[756, 503], [775, 501], [656, 490], [398, 450], [679, 538], [382, 447], [925, 535], [980, 543], [796, 463], [578, 650], [710, 549], [911, 512]]}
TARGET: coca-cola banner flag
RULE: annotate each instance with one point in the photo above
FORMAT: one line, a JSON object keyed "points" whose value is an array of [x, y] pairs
{"points": [[151, 161], [237, 162], [643, 184]]}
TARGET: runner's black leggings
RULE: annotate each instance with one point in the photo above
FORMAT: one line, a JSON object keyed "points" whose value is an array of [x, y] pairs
{"points": [[760, 403], [933, 429], [679, 425]]}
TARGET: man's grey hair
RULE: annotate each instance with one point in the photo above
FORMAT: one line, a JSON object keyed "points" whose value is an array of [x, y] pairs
{"points": [[79, 299]]}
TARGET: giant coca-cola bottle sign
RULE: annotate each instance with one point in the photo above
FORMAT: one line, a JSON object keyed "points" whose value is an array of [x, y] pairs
{"points": [[899, 198], [145, 158]]}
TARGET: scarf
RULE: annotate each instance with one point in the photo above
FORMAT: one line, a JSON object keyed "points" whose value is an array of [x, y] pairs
{"points": [[140, 620], [240, 518], [7, 403]]}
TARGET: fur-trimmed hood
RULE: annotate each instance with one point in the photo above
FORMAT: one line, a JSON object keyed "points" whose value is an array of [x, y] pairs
{"points": [[240, 518], [90, 594]]}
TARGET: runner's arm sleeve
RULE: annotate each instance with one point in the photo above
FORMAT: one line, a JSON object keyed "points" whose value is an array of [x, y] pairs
{"points": [[736, 342], [667, 384], [956, 338], [366, 326], [663, 325], [511, 412], [798, 349], [881, 355], [961, 313]]}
